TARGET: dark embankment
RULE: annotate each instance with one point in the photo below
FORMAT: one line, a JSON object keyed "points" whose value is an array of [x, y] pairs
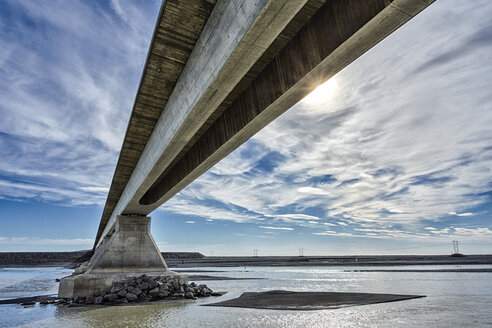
{"points": [[385, 260], [195, 259], [286, 300], [71, 259]]}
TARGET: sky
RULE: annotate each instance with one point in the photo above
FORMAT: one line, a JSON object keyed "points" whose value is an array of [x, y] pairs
{"points": [[393, 155]]}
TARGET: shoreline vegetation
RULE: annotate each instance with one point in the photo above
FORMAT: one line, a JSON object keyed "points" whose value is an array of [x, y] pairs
{"points": [[195, 259]]}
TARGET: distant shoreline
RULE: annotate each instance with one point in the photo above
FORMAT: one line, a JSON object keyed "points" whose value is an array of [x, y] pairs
{"points": [[188, 259]]}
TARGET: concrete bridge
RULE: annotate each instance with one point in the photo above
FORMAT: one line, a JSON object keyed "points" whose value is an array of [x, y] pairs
{"points": [[217, 72]]}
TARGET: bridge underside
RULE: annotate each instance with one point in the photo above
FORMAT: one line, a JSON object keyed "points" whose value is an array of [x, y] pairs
{"points": [[218, 73], [215, 75]]}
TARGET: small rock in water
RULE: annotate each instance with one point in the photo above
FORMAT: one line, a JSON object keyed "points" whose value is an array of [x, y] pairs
{"points": [[190, 295]]}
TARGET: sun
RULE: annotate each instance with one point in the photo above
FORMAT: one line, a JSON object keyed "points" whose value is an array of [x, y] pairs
{"points": [[322, 93]]}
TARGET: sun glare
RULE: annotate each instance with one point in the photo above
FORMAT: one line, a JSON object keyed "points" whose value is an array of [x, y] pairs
{"points": [[322, 93]]}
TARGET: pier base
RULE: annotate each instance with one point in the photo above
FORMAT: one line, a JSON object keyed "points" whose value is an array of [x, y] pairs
{"points": [[130, 251]]}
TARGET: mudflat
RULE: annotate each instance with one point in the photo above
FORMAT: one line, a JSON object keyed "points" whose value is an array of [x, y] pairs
{"points": [[299, 301]]}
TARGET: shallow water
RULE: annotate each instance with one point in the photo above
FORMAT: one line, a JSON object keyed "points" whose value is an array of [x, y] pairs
{"points": [[454, 299]]}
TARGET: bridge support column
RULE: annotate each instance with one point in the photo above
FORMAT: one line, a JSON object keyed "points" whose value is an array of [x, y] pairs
{"points": [[129, 251]]}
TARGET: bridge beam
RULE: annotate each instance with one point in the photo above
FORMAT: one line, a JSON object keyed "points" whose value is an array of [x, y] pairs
{"points": [[340, 32], [252, 62]]}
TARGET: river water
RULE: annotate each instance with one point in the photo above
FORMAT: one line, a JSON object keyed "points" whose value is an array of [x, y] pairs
{"points": [[454, 299]]}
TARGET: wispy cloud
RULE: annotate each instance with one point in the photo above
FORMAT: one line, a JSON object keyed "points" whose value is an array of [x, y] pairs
{"points": [[277, 228], [46, 244], [69, 74], [400, 148], [403, 139]]}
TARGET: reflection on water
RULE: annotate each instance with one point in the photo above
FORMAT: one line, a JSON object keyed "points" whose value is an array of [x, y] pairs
{"points": [[453, 299]]}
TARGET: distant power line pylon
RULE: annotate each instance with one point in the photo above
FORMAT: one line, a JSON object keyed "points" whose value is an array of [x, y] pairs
{"points": [[456, 248], [301, 251], [255, 252]]}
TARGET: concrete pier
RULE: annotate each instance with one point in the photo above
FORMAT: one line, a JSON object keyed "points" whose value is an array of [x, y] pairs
{"points": [[130, 251]]}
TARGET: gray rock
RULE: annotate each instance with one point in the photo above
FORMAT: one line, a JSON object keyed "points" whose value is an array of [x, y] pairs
{"points": [[154, 292], [98, 300], [144, 286], [144, 297], [78, 299], [122, 293], [137, 291], [116, 289], [152, 284], [130, 288], [131, 297], [89, 300], [110, 297], [190, 295]]}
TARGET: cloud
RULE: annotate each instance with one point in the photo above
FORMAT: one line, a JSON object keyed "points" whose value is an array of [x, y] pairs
{"points": [[461, 214], [190, 222], [23, 241], [398, 143], [276, 228], [402, 139], [69, 75]]}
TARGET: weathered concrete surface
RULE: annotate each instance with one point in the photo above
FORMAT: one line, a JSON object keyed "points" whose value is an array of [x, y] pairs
{"points": [[130, 251], [268, 56], [131, 248]]}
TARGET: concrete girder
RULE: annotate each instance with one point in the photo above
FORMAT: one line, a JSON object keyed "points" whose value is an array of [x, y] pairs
{"points": [[234, 37], [337, 34]]}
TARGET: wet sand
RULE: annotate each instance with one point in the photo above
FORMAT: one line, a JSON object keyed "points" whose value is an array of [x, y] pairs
{"points": [[303, 301]]}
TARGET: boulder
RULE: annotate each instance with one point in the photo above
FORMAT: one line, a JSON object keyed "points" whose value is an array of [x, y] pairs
{"points": [[190, 295], [152, 284], [89, 300], [154, 292], [122, 293], [98, 300], [110, 297], [137, 291], [131, 297]]}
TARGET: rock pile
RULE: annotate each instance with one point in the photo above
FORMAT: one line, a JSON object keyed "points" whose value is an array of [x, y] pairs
{"points": [[145, 288]]}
